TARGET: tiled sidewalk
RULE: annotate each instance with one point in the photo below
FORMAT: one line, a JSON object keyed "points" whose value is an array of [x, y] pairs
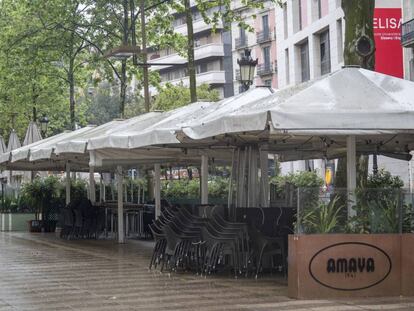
{"points": [[40, 272]]}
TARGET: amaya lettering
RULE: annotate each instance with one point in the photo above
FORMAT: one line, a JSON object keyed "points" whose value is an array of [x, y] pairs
{"points": [[350, 265]]}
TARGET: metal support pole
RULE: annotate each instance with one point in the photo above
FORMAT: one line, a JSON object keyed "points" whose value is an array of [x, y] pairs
{"points": [[101, 190], [92, 194], [157, 190], [67, 183], [121, 235], [204, 179], [351, 172], [264, 178]]}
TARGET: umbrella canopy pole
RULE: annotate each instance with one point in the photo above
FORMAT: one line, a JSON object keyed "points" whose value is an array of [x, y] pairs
{"points": [[119, 176], [157, 190], [67, 183], [204, 179], [231, 182], [264, 178], [92, 195], [351, 172], [101, 189]]}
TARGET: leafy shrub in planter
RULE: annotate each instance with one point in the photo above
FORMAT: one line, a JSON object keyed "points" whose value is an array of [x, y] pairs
{"points": [[379, 204], [309, 184], [78, 190], [190, 189], [325, 218], [8, 204], [41, 194]]}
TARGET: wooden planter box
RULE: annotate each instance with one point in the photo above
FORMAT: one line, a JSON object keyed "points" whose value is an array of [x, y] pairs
{"points": [[350, 265]]}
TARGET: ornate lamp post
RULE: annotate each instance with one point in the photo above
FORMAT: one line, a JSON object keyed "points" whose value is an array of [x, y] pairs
{"points": [[44, 120], [247, 65]]}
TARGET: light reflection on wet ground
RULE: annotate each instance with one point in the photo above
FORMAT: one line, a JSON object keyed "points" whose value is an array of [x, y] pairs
{"points": [[40, 272]]}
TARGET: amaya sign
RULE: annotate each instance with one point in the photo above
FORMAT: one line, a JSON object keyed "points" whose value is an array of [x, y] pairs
{"points": [[350, 266]]}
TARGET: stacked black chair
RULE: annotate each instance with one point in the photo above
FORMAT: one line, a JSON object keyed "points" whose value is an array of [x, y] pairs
{"points": [[82, 220], [189, 242]]}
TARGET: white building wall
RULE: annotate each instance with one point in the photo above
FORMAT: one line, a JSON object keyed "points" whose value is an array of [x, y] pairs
{"points": [[292, 75]]}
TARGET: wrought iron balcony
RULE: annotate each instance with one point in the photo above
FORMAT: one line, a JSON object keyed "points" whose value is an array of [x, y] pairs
{"points": [[263, 36], [265, 69], [407, 33], [241, 42]]}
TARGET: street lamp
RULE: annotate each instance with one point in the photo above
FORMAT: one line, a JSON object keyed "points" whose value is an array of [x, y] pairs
{"points": [[43, 124], [247, 65]]}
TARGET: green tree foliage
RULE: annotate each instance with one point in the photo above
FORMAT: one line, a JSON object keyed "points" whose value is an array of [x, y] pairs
{"points": [[175, 96]]}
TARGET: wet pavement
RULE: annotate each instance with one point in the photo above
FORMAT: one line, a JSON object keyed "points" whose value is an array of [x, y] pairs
{"points": [[40, 272]]}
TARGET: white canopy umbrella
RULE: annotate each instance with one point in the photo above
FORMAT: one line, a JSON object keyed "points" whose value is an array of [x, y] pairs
{"points": [[227, 115], [3, 149], [350, 101], [2, 145], [312, 120], [32, 134], [14, 141]]}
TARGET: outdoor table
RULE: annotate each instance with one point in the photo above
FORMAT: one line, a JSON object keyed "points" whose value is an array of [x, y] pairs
{"points": [[133, 215]]}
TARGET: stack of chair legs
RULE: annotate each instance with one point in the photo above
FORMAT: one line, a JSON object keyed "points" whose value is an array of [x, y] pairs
{"points": [[188, 242]]}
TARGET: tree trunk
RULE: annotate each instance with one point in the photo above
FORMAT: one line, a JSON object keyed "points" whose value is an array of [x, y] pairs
{"points": [[359, 16], [190, 52], [71, 80], [124, 62], [123, 89]]}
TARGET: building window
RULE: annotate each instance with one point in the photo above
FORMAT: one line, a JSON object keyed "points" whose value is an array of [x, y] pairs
{"points": [[265, 23], [201, 68], [266, 56], [304, 61], [319, 9], [285, 20], [242, 33], [325, 52], [316, 9], [287, 65], [340, 43], [300, 14], [268, 82]]}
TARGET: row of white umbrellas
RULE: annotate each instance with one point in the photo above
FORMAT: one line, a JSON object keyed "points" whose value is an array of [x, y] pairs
{"points": [[311, 120]]}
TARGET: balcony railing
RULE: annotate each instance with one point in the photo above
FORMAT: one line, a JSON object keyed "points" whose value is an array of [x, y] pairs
{"points": [[241, 43], [263, 36], [407, 33], [265, 69]]}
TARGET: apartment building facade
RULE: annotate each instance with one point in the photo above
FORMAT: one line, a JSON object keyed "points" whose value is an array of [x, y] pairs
{"points": [[407, 38], [213, 56], [309, 39], [261, 42]]}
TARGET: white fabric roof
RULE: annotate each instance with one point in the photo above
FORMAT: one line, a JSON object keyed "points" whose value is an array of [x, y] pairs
{"points": [[225, 116], [78, 143], [349, 101], [146, 131], [45, 150], [133, 125]]}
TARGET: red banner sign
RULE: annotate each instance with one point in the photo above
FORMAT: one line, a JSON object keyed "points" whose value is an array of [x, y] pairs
{"points": [[387, 33]]}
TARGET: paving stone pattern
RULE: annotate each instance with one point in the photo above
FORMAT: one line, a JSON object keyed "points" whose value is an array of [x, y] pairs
{"points": [[41, 272]]}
